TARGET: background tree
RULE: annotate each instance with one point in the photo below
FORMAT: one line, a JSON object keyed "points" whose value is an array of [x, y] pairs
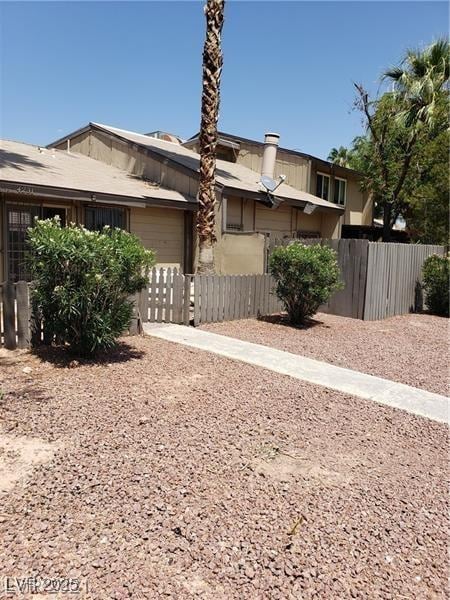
{"points": [[427, 210], [396, 123], [212, 68], [340, 156]]}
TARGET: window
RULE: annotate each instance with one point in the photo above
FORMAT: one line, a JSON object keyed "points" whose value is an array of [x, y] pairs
{"points": [[323, 186], [234, 214], [224, 153], [18, 219], [307, 235], [340, 191], [96, 218]]}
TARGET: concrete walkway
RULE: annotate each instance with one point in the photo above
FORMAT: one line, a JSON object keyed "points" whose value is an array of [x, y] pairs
{"points": [[384, 391]]}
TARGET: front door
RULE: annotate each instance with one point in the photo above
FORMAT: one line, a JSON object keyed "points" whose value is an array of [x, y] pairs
{"points": [[18, 219]]}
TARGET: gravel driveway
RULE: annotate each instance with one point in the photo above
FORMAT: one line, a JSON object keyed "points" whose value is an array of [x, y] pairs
{"points": [[411, 349], [169, 472]]}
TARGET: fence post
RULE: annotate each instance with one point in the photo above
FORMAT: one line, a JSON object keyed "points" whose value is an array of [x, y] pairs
{"points": [[23, 315], [153, 295], [135, 325], [187, 299], [143, 303], [198, 298]]}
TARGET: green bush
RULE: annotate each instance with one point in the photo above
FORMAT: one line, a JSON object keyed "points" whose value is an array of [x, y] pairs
{"points": [[306, 277], [82, 281], [436, 284]]}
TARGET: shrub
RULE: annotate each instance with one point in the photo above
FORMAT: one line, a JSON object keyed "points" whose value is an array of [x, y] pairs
{"points": [[306, 277], [436, 284], [82, 281]]}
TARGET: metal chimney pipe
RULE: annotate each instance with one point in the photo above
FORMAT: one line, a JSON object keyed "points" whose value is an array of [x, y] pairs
{"points": [[270, 154]]}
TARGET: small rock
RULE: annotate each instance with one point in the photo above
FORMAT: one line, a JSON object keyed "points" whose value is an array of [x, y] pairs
{"points": [[249, 572], [143, 420], [27, 370]]}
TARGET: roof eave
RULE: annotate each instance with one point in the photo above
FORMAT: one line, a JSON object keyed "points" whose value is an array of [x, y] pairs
{"points": [[70, 194]]}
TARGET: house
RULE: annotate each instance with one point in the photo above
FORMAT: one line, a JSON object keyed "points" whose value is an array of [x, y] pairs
{"points": [[304, 172], [41, 182], [148, 183]]}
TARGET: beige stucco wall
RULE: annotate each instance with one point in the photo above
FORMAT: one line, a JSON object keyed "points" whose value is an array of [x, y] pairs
{"points": [[275, 220], [162, 230], [367, 215], [239, 254], [358, 210], [312, 223], [285, 219], [331, 225]]}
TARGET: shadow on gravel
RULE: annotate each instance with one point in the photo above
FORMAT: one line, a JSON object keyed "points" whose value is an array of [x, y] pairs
{"points": [[282, 319], [59, 356]]}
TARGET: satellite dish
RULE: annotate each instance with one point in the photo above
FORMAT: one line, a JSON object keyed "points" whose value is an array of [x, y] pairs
{"points": [[269, 183]]}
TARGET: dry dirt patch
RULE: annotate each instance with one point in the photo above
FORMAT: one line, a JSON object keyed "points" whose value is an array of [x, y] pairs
{"points": [[19, 455], [284, 466]]}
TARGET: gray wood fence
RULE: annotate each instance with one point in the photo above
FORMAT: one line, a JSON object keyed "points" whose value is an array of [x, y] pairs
{"points": [[15, 315], [380, 281], [228, 297], [167, 298], [172, 297], [394, 277]]}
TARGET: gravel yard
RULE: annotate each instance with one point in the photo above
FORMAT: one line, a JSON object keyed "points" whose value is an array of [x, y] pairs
{"points": [[169, 472], [411, 349]]}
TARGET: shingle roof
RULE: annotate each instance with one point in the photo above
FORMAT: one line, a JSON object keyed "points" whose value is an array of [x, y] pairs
{"points": [[232, 176], [32, 165]]}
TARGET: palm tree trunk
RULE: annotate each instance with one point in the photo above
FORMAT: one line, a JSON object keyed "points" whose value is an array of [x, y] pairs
{"points": [[212, 68]]}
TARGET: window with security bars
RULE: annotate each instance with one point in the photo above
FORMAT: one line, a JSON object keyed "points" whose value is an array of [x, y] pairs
{"points": [[18, 219], [95, 218], [307, 235]]}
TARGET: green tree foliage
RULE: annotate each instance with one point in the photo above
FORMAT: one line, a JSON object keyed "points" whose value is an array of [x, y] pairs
{"points": [[419, 82], [398, 151], [436, 284], [340, 156], [423, 198], [82, 281], [306, 277]]}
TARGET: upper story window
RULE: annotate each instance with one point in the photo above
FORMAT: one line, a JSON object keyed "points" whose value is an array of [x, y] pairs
{"points": [[322, 186], [226, 153], [340, 191], [96, 218]]}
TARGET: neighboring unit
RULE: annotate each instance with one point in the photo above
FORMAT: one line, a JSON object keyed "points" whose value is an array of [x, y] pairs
{"points": [[304, 172]]}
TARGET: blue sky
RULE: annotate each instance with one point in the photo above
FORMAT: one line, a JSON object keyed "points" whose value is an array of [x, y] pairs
{"points": [[288, 66]]}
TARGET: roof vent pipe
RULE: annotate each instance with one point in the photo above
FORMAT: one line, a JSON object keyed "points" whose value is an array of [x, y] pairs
{"points": [[270, 154]]}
